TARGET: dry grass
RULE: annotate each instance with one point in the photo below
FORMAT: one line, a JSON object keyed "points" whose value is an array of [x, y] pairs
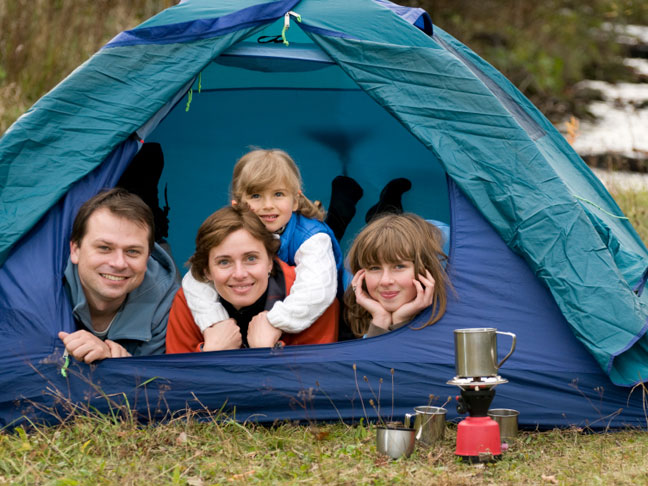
{"points": [[634, 205], [99, 450], [42, 41]]}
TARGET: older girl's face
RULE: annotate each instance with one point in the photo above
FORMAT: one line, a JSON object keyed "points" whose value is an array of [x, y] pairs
{"points": [[239, 268], [391, 284]]}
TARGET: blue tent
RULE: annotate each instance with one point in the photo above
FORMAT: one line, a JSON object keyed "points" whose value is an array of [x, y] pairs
{"points": [[363, 88]]}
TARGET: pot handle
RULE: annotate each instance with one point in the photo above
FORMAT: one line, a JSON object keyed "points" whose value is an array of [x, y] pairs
{"points": [[512, 347], [408, 420]]}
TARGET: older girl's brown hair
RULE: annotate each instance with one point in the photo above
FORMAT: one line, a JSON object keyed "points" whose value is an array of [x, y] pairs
{"points": [[261, 168], [219, 226], [393, 238]]}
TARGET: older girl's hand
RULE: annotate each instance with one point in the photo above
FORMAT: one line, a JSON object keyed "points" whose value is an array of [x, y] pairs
{"points": [[424, 296], [379, 316]]}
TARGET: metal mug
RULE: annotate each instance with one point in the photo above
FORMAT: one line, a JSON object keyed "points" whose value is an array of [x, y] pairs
{"points": [[429, 423], [476, 351], [395, 441], [507, 420]]}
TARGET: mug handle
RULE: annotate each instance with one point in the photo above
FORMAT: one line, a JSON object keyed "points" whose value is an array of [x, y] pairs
{"points": [[512, 346], [408, 420]]}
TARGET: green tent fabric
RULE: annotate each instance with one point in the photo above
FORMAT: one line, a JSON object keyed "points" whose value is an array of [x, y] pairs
{"points": [[500, 151]]}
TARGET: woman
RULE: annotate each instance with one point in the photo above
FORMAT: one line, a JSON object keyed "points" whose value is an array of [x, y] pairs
{"points": [[236, 254], [396, 262]]}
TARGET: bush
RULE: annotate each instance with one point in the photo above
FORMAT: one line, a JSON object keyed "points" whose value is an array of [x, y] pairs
{"points": [[44, 40]]}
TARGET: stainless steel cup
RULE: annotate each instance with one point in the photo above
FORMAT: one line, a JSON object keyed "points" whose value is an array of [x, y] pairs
{"points": [[429, 423], [507, 420], [476, 351], [395, 441]]}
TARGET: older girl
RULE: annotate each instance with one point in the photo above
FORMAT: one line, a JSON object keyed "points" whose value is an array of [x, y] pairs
{"points": [[396, 262]]}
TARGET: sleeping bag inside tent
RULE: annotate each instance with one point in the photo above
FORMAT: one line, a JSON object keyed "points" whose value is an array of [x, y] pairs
{"points": [[360, 88]]}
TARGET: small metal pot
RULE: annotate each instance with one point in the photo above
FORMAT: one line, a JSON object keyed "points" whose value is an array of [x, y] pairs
{"points": [[395, 441], [507, 419], [429, 423]]}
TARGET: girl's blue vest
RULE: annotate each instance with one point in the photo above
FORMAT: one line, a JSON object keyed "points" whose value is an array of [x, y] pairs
{"points": [[298, 230]]}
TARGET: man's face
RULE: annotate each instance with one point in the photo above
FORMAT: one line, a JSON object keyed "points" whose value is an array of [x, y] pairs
{"points": [[111, 259]]}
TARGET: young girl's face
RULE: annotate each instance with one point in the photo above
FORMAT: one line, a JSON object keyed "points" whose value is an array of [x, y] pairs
{"points": [[274, 206], [391, 284]]}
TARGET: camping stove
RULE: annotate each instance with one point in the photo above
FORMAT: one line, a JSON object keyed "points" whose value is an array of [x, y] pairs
{"points": [[478, 435]]}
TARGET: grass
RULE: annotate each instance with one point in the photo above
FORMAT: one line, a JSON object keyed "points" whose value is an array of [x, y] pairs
{"points": [[634, 205], [99, 450]]}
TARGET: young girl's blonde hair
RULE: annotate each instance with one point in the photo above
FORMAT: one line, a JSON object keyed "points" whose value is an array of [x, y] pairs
{"points": [[261, 168], [393, 238]]}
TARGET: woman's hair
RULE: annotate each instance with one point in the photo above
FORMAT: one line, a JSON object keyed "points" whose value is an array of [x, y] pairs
{"points": [[260, 169], [393, 238], [219, 226]]}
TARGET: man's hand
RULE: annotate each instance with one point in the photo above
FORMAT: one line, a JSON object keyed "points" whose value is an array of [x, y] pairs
{"points": [[222, 335], [85, 346], [262, 334], [117, 350]]}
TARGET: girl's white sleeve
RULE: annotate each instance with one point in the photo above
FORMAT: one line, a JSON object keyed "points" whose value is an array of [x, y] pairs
{"points": [[203, 301], [314, 288]]}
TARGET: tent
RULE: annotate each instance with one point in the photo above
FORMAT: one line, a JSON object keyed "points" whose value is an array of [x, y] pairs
{"points": [[359, 87]]}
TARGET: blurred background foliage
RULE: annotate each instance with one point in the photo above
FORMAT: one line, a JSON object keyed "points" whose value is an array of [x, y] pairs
{"points": [[42, 41], [544, 47]]}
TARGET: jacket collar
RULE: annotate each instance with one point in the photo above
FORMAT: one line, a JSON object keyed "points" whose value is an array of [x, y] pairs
{"points": [[133, 320]]}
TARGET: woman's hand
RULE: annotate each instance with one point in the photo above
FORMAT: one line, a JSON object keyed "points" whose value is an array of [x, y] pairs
{"points": [[222, 335], [424, 296], [262, 334], [379, 316]]}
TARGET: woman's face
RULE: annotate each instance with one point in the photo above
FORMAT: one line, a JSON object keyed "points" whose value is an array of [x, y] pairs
{"points": [[239, 268], [391, 284]]}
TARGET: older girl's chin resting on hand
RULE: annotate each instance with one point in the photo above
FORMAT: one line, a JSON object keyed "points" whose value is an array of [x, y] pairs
{"points": [[396, 262]]}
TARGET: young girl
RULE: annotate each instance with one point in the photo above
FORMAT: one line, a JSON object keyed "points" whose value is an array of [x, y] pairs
{"points": [[396, 262], [269, 182]]}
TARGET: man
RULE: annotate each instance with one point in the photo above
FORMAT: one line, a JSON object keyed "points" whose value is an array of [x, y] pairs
{"points": [[120, 284]]}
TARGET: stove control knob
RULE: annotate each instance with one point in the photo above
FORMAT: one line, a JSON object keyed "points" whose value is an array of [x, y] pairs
{"points": [[461, 405]]}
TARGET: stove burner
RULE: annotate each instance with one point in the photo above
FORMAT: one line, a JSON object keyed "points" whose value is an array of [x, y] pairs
{"points": [[475, 383]]}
